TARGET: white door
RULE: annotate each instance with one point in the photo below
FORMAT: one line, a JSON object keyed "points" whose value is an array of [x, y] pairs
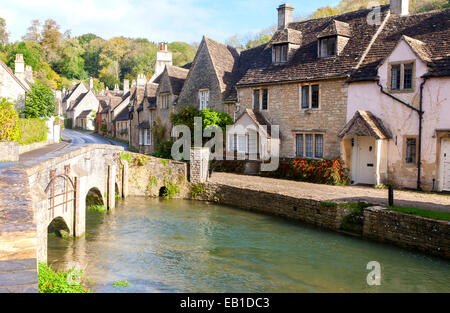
{"points": [[445, 168], [366, 161]]}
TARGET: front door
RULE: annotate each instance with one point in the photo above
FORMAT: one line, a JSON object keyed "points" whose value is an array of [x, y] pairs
{"points": [[366, 161], [445, 157]]}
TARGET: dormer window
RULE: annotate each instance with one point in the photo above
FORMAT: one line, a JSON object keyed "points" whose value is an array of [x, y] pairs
{"points": [[327, 47], [280, 53], [401, 78]]}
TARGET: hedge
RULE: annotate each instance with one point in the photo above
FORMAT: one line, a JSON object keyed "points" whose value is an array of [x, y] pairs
{"points": [[9, 121], [32, 130]]}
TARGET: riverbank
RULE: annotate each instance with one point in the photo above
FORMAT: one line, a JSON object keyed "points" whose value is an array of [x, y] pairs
{"points": [[372, 222]]}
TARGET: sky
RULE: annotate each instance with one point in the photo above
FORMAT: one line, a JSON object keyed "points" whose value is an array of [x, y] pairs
{"points": [[156, 20]]}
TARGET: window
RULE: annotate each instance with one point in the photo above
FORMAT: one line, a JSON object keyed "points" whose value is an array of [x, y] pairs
{"points": [[280, 53], [260, 99], [309, 145], [204, 99], [242, 143], [411, 151], [402, 76], [147, 137], [310, 97], [327, 47], [164, 100], [141, 135]]}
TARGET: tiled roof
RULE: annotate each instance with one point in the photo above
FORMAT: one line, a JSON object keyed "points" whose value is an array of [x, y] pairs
{"points": [[78, 100], [225, 61], [177, 76], [258, 119], [10, 72], [287, 35], [364, 123], [84, 114], [124, 115], [428, 34], [144, 125], [305, 64], [336, 28]]}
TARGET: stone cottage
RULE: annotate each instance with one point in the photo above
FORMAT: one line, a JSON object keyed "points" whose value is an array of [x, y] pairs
{"points": [[298, 81], [211, 78], [15, 85], [398, 112], [140, 117], [82, 106], [170, 82]]}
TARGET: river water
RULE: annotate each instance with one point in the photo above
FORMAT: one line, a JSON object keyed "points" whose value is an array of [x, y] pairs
{"points": [[189, 246]]}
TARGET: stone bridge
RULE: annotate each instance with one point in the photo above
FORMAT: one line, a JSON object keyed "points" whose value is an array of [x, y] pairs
{"points": [[52, 192]]}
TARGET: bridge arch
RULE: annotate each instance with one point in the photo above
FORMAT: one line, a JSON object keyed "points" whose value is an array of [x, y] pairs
{"points": [[94, 197], [58, 226]]}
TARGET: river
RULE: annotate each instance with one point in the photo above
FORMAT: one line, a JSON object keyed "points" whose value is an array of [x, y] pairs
{"points": [[189, 246]]}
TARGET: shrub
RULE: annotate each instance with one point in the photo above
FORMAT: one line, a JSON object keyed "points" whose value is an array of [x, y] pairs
{"points": [[9, 121], [197, 190], [32, 130], [39, 102], [61, 282], [164, 150], [140, 160], [331, 172], [68, 123]]}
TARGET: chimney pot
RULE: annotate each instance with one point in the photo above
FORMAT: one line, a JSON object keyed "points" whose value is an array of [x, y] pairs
{"points": [[399, 7], [126, 85], [285, 15], [19, 64], [91, 83]]}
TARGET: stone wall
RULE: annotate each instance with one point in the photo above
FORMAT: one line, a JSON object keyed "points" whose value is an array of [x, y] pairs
{"points": [[305, 210], [9, 151], [284, 109], [10, 88], [147, 177], [410, 231], [379, 224]]}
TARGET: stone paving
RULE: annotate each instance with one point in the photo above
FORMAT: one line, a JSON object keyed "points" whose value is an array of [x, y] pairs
{"points": [[429, 201]]}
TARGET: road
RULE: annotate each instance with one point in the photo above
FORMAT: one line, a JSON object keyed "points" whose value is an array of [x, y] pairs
{"points": [[71, 139]]}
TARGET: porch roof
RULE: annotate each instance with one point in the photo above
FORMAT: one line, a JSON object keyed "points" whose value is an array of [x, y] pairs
{"points": [[364, 123], [258, 119]]}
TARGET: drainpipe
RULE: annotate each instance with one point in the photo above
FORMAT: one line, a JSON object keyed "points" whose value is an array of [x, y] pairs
{"points": [[420, 113], [238, 107]]}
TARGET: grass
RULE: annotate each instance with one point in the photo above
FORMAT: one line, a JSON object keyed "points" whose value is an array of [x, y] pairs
{"points": [[97, 208], [445, 216], [71, 281], [120, 283]]}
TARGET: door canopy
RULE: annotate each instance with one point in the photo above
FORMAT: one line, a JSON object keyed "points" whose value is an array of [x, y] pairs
{"points": [[364, 123]]}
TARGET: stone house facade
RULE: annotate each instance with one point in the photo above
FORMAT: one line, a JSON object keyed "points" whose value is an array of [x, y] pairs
{"points": [[14, 86], [81, 106], [298, 82], [211, 78], [405, 72], [170, 82]]}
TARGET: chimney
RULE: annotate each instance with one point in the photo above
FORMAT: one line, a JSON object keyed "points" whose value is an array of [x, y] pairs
{"points": [[399, 7], [19, 67], [58, 94], [285, 13], [133, 83], [126, 86], [141, 80], [29, 73], [163, 58], [107, 91], [91, 83]]}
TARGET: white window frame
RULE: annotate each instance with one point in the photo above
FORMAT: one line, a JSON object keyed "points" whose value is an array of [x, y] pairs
{"points": [[140, 136], [203, 95], [320, 45], [147, 137], [239, 147], [314, 134], [164, 100], [310, 85]]}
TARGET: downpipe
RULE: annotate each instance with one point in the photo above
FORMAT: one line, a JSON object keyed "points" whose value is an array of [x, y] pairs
{"points": [[420, 113]]}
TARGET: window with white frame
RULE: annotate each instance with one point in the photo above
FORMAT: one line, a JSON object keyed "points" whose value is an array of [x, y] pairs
{"points": [[310, 96], [402, 75], [204, 98], [141, 136], [239, 143], [309, 145], [147, 137], [260, 99], [164, 100]]}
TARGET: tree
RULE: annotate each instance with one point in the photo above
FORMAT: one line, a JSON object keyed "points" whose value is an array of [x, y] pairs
{"points": [[91, 56], [4, 35], [32, 53], [33, 32], [140, 57], [51, 39], [72, 63], [39, 102]]}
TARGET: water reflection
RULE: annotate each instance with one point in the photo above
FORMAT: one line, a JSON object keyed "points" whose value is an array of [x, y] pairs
{"points": [[186, 246]]}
